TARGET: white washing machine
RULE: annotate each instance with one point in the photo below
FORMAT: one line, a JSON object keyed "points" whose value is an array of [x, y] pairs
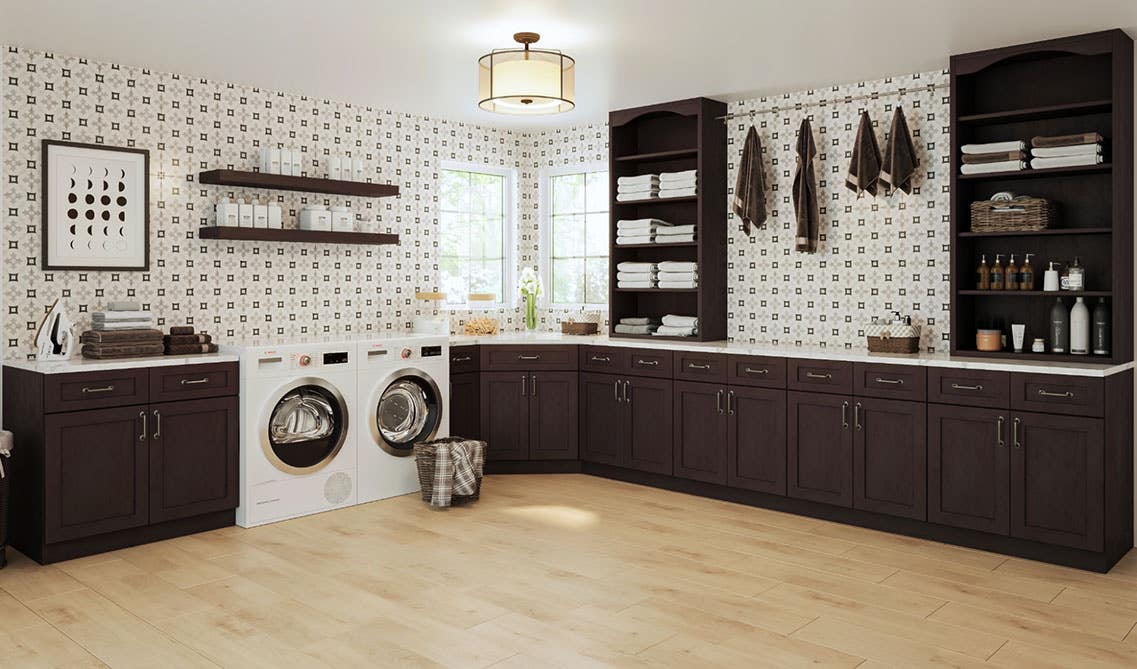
{"points": [[404, 392], [298, 443]]}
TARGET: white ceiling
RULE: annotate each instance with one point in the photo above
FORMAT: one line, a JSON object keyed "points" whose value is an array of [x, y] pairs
{"points": [[419, 56]]}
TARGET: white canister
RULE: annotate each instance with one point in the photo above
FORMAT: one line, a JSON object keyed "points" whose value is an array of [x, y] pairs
{"points": [[316, 218], [227, 213], [357, 169], [342, 220], [275, 221], [245, 214], [265, 160], [260, 215], [335, 168], [295, 162]]}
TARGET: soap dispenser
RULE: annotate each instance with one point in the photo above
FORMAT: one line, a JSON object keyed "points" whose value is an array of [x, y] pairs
{"points": [[1011, 275], [1026, 274], [997, 275], [1050, 281], [983, 275]]}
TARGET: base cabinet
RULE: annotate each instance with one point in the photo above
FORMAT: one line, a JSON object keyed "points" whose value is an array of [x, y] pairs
{"points": [[529, 415], [626, 422], [969, 468], [820, 451], [756, 439], [890, 457], [701, 431], [465, 407], [194, 451]]}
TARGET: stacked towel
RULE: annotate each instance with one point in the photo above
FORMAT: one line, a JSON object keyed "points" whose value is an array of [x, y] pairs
{"points": [[133, 319], [638, 230], [642, 187], [636, 275], [182, 340], [676, 274], [675, 233], [678, 326], [678, 184], [1066, 150], [993, 157], [640, 325], [121, 343]]}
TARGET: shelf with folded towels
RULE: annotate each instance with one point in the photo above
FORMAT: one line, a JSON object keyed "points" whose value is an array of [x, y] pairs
{"points": [[656, 290], [1035, 174], [657, 245], [656, 200], [658, 155], [1039, 113]]}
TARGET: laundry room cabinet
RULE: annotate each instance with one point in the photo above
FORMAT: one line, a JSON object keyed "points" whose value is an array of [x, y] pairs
{"points": [[529, 415], [112, 458]]}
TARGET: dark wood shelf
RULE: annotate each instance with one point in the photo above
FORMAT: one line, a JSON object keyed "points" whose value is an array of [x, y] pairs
{"points": [[656, 200], [1047, 233], [658, 155], [666, 245], [1028, 355], [617, 335], [241, 179], [656, 290], [1036, 293], [1037, 174], [310, 236], [1039, 113]]}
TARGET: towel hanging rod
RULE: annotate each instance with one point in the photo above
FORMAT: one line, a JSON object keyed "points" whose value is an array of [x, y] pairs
{"points": [[832, 101]]}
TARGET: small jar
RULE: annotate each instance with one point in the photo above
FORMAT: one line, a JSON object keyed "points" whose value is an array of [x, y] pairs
{"points": [[1039, 345], [989, 340]]}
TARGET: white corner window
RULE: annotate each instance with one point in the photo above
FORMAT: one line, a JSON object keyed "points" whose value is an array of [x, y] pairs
{"points": [[574, 236], [476, 219]]}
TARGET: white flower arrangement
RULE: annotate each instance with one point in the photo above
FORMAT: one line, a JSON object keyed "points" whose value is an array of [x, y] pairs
{"points": [[529, 283]]}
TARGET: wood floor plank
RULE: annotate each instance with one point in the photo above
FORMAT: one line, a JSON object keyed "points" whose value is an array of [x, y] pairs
{"points": [[888, 648], [41, 645]]}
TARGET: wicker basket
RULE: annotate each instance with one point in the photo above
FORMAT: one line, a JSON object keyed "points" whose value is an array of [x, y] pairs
{"points": [[579, 328], [893, 338], [1022, 214], [425, 454]]}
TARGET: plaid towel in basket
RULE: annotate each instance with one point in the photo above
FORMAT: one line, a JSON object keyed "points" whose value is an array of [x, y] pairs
{"points": [[457, 468]]}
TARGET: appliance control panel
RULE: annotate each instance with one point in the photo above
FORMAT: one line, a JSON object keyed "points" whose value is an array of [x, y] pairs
{"points": [[335, 358], [431, 351]]}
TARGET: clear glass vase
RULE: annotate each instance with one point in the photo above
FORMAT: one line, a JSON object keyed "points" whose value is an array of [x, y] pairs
{"points": [[530, 312]]}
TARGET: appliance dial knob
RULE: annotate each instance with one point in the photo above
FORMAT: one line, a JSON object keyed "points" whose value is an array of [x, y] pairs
{"points": [[406, 353], [305, 360]]}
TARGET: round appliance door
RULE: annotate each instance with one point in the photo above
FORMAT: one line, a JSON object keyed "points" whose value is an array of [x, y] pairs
{"points": [[305, 428], [408, 410]]}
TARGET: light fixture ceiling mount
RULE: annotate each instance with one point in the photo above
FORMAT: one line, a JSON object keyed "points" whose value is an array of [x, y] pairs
{"points": [[526, 80]]}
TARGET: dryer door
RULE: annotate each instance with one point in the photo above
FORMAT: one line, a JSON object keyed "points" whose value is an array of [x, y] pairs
{"points": [[306, 426], [408, 410]]}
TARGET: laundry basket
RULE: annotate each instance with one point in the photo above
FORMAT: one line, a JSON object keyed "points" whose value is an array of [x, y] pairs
{"points": [[428, 458], [5, 493]]}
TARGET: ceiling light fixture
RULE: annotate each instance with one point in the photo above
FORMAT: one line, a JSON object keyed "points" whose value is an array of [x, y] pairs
{"points": [[526, 81]]}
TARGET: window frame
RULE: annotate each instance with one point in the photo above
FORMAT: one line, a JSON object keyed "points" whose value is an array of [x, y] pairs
{"points": [[509, 233], [545, 232]]}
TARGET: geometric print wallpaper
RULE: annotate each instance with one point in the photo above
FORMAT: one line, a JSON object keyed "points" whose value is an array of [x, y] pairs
{"points": [[878, 255]]}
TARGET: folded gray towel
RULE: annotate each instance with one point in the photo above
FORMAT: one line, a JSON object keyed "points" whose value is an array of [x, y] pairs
{"points": [[1066, 140], [639, 320], [124, 306], [635, 329]]}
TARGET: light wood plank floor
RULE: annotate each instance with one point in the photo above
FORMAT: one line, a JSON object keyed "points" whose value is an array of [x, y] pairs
{"points": [[562, 571]]}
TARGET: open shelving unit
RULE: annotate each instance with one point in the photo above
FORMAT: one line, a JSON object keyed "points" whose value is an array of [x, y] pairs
{"points": [[671, 137], [1062, 86]]}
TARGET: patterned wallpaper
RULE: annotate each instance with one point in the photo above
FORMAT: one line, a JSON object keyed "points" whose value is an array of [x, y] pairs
{"points": [[878, 255]]}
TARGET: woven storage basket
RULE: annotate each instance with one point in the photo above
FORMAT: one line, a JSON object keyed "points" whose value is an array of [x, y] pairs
{"points": [[579, 328], [425, 454], [893, 338], [1022, 214]]}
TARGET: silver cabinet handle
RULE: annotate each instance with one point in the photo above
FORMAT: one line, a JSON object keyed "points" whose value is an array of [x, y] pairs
{"points": [[461, 358], [730, 402], [142, 415], [648, 363], [757, 371], [956, 386], [1015, 433], [857, 415], [104, 389], [1045, 393], [157, 425], [195, 382], [528, 357], [718, 401], [601, 358], [524, 378], [627, 397], [813, 375], [692, 365], [616, 389], [999, 433], [533, 380], [895, 382], [845, 415]]}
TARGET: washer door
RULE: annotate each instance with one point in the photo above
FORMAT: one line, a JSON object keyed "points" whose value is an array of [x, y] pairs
{"points": [[408, 410], [306, 427]]}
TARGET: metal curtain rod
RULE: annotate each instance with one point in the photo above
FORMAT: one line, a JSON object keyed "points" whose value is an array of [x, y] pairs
{"points": [[832, 101]]}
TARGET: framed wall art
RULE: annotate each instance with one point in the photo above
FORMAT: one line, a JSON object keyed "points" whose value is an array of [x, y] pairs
{"points": [[96, 207]]}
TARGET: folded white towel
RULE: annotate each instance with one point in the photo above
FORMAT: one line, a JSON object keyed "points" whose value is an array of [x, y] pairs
{"points": [[636, 227], [684, 174], [638, 179], [678, 266], [674, 239], [635, 276], [677, 230], [1065, 161], [635, 284], [120, 315], [123, 325], [638, 222], [665, 331], [994, 147], [646, 188], [639, 320], [678, 284], [678, 192], [1059, 151], [641, 239], [991, 168], [632, 197], [678, 183], [674, 320], [678, 276], [629, 266]]}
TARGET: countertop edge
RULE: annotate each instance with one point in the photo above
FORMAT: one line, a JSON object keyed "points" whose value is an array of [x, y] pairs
{"points": [[87, 365]]}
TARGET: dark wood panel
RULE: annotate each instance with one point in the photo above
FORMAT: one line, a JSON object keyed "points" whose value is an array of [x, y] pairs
{"points": [[245, 179], [700, 431], [756, 439], [296, 235], [969, 467], [465, 405], [95, 390], [194, 448], [505, 415], [969, 387], [651, 363], [187, 382], [464, 359], [23, 417], [704, 367], [603, 428], [759, 371], [1118, 488], [1071, 395], [890, 382], [820, 448], [648, 404], [890, 457], [553, 357], [553, 416], [605, 359], [823, 376]]}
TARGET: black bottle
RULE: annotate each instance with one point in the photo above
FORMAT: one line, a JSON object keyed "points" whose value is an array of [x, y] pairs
{"points": [[1101, 329]]}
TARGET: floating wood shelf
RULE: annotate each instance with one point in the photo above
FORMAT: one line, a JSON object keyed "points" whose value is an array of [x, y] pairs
{"points": [[656, 290], [664, 245], [309, 236], [658, 155], [1048, 232], [1036, 293], [1029, 355], [656, 337], [243, 179], [1036, 174], [1039, 113]]}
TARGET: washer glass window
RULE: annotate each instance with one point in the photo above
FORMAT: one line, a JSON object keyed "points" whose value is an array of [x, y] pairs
{"points": [[408, 411], [307, 427]]}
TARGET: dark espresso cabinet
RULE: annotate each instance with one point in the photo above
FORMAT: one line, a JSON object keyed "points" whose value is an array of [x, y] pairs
{"points": [[756, 439], [969, 467], [194, 448], [465, 405], [820, 452], [890, 457], [626, 421], [529, 415], [701, 431], [505, 415]]}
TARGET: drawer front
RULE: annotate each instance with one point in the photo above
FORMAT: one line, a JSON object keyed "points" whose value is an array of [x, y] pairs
{"points": [[890, 382], [969, 387], [752, 370], [1070, 395], [463, 359], [186, 382], [95, 390], [651, 363], [604, 359], [823, 376], [528, 358], [708, 367]]}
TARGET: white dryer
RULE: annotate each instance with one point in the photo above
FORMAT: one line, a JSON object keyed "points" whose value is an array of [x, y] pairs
{"points": [[404, 393], [298, 443]]}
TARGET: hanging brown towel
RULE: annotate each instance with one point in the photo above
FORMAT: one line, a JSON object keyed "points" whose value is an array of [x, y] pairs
{"points": [[750, 190], [805, 190], [900, 159], [864, 168]]}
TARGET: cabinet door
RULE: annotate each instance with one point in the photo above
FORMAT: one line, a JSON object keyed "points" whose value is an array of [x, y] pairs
{"points": [[552, 415], [194, 446], [700, 431], [96, 472], [968, 467], [890, 457], [647, 405], [505, 415], [756, 439], [1057, 479], [464, 405], [603, 428], [820, 448]]}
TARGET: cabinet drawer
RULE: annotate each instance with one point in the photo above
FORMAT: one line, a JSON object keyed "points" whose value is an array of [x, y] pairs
{"points": [[1071, 395], [186, 382], [650, 363], [890, 382], [752, 370], [95, 390], [528, 358], [605, 359], [463, 359], [708, 367], [824, 376], [969, 387]]}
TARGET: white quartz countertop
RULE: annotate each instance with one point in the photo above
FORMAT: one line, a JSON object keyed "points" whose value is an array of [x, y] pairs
{"points": [[806, 352], [85, 365]]}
